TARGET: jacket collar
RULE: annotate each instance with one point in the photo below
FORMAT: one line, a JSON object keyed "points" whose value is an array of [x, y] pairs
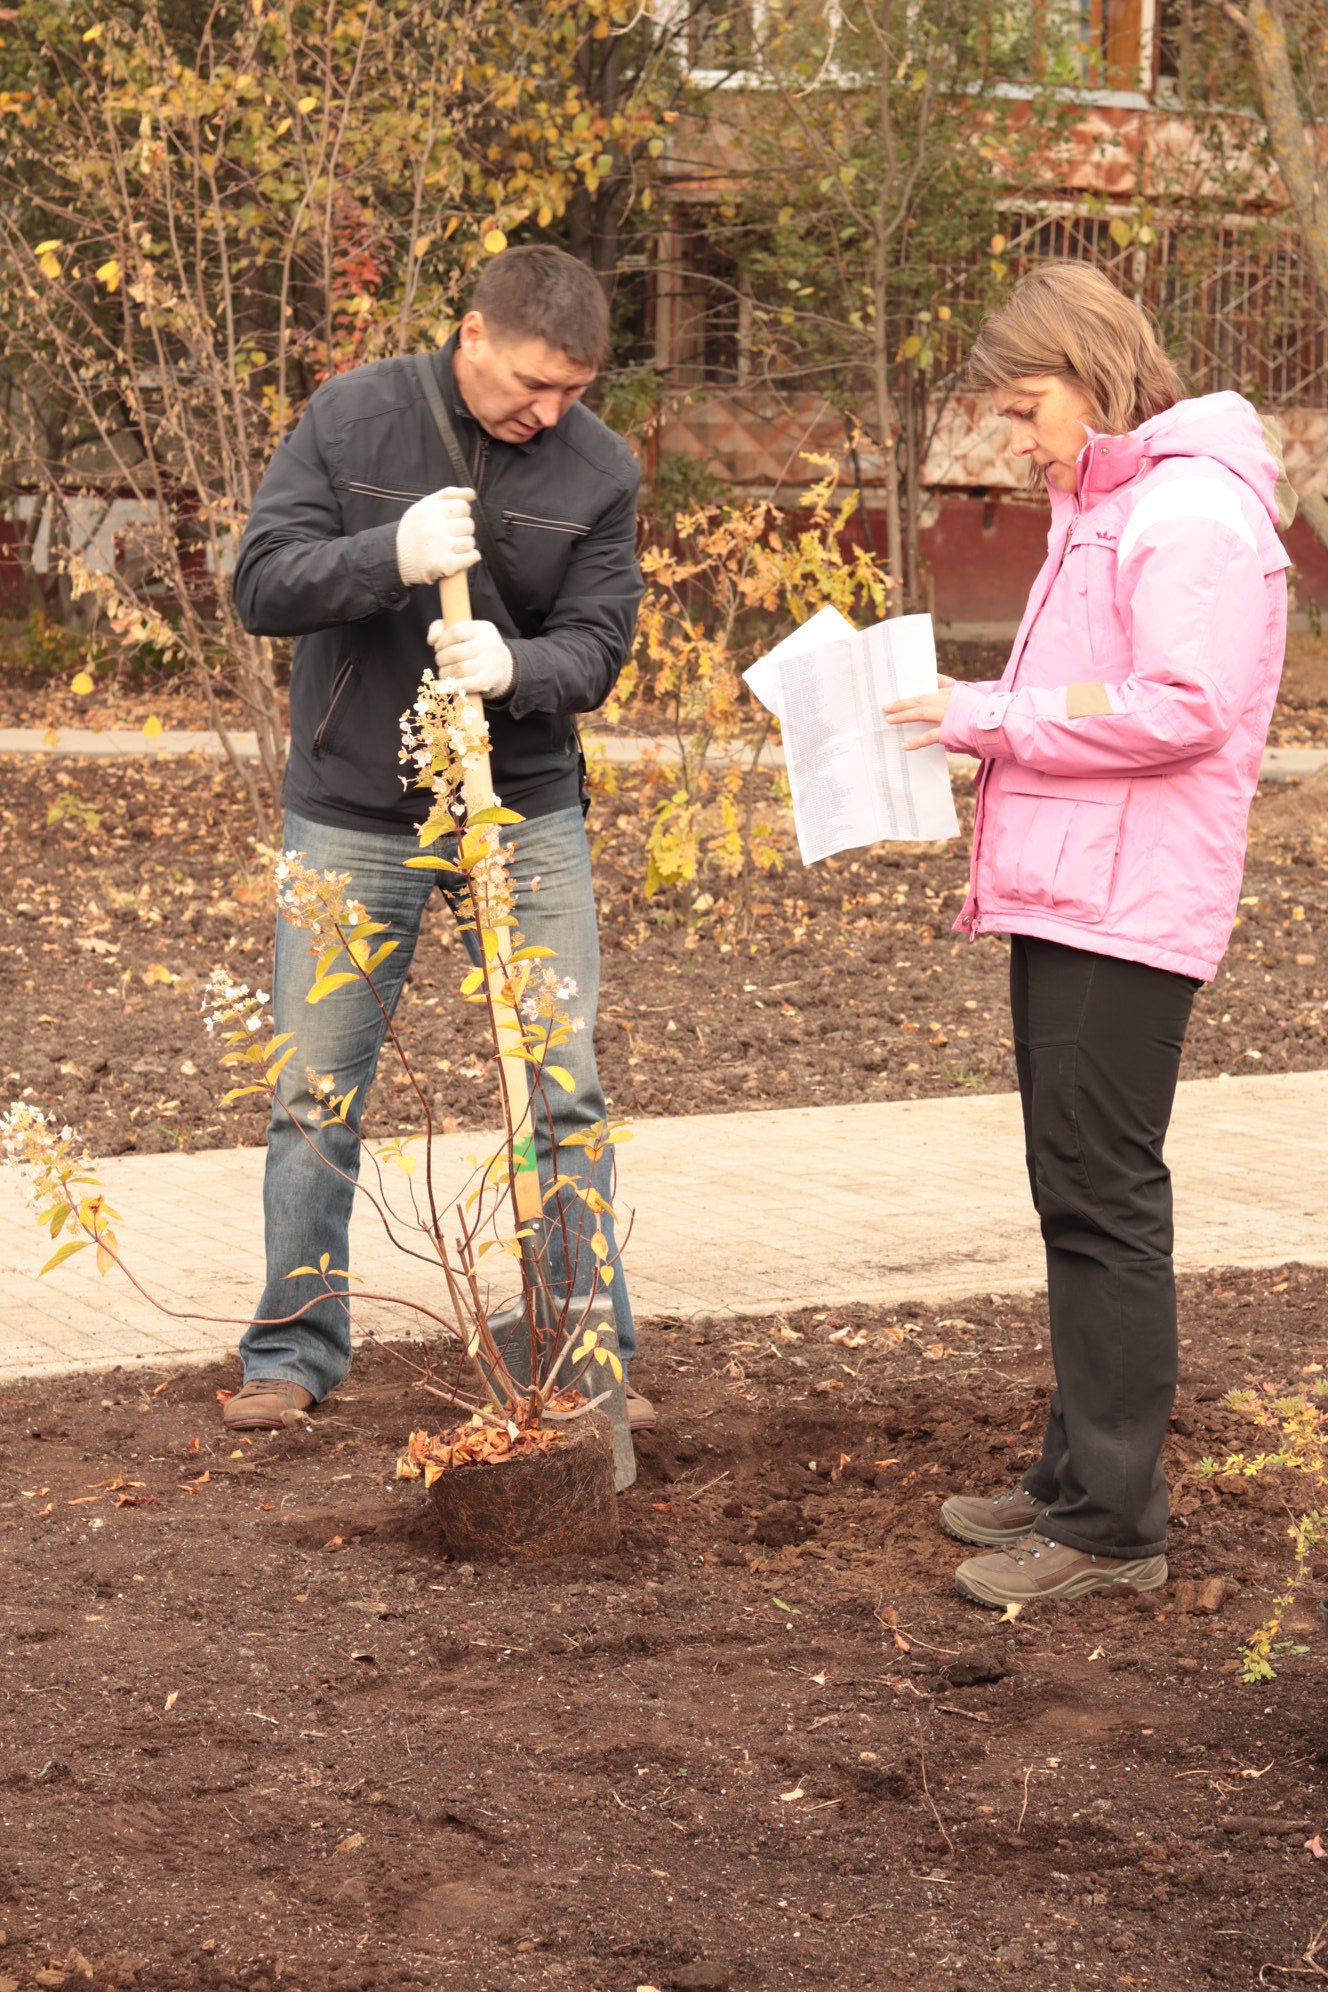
{"points": [[1107, 462]]}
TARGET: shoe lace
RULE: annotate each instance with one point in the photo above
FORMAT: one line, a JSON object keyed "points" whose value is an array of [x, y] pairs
{"points": [[1028, 1547]]}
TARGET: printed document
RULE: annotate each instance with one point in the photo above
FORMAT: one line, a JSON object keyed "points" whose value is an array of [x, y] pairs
{"points": [[850, 779]]}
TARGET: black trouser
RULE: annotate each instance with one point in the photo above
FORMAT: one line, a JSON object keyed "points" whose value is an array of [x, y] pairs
{"points": [[1098, 1044]]}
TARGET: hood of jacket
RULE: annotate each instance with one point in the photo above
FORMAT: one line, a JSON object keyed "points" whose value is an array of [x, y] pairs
{"points": [[1222, 427]]}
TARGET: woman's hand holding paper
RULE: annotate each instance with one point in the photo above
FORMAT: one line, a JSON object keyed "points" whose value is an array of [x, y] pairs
{"points": [[927, 706]]}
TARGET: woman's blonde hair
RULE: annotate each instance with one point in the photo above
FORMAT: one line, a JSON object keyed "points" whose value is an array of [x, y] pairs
{"points": [[1066, 318]]}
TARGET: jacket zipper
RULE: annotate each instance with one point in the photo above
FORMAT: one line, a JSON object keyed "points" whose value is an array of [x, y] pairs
{"points": [[973, 909], [339, 684], [571, 526], [378, 491], [481, 463]]}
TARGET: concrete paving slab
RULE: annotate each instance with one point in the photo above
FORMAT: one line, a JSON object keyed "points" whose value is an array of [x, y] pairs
{"points": [[732, 1214]]}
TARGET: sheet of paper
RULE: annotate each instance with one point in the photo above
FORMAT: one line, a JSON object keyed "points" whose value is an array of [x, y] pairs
{"points": [[851, 781]]}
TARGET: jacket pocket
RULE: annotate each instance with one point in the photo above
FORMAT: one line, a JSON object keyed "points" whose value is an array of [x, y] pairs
{"points": [[325, 732], [1056, 840]]}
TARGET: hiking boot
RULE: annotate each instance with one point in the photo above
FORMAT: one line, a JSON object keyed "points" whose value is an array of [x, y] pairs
{"points": [[1038, 1568], [991, 1518], [267, 1404], [640, 1411]]}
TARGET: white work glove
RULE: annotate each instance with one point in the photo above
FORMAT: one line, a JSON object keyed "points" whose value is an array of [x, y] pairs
{"points": [[436, 537], [474, 656]]}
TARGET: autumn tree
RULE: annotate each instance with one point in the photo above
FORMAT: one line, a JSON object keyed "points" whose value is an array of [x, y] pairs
{"points": [[208, 212], [874, 162], [1286, 46]]}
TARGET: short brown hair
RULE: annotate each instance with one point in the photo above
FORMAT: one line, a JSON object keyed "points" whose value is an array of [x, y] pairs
{"points": [[1066, 318], [541, 293]]}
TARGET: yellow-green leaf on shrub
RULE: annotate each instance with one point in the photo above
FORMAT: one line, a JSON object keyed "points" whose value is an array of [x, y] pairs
{"points": [[70, 1246]]}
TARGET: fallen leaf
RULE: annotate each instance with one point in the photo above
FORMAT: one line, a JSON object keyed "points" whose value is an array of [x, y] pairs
{"points": [[172, 1698], [1010, 1614], [933, 1352], [1098, 1653], [1317, 1848], [787, 1797], [351, 1842]]}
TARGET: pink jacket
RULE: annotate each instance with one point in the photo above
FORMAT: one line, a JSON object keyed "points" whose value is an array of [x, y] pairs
{"points": [[1122, 746]]}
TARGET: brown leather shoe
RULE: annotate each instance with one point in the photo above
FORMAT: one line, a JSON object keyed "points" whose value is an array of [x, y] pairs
{"points": [[991, 1518], [640, 1411], [266, 1404], [1039, 1568]]}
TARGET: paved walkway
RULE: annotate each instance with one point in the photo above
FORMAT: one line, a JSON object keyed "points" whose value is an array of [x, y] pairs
{"points": [[623, 749], [733, 1214]]}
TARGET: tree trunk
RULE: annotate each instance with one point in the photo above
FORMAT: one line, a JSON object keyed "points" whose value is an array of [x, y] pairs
{"points": [[888, 432], [1264, 27]]}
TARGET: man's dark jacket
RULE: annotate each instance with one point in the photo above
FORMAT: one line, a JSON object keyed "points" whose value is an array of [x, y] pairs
{"points": [[318, 562]]}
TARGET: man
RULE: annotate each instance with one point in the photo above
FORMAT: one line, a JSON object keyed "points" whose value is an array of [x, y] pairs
{"points": [[359, 517]]}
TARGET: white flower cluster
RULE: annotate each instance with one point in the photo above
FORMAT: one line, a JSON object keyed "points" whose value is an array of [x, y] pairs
{"points": [[546, 993], [31, 1143], [442, 736], [227, 1002], [316, 900]]}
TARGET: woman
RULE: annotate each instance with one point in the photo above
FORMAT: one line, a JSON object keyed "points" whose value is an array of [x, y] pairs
{"points": [[1119, 754]]}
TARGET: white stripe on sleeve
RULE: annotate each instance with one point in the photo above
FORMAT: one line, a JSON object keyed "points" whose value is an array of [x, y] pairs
{"points": [[1184, 499]]}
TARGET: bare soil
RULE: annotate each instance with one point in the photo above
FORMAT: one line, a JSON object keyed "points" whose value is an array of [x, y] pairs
{"points": [[259, 1734], [122, 883]]}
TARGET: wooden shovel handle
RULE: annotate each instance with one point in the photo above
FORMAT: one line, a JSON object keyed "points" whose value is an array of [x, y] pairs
{"points": [[454, 599]]}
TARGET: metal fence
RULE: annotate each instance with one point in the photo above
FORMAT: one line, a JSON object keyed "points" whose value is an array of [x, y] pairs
{"points": [[1233, 301]]}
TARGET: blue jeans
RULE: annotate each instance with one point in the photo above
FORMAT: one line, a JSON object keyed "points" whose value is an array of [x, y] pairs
{"points": [[306, 1203]]}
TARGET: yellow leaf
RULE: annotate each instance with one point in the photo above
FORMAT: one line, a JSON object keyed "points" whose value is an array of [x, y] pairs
{"points": [[172, 1698], [93, 33], [328, 983], [494, 242], [561, 1077], [997, 245], [50, 738], [306, 103], [49, 265], [351, 1843], [109, 274], [81, 684], [152, 728], [71, 1246]]}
